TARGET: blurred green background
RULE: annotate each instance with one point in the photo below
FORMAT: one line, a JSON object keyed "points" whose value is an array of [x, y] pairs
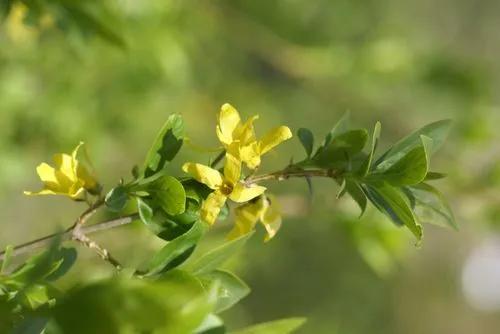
{"points": [[299, 63]]}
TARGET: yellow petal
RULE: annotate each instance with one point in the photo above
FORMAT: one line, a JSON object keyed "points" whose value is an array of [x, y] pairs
{"points": [[273, 138], [228, 121], [245, 133], [46, 173], [204, 174], [81, 164], [66, 165], [242, 193], [250, 155], [211, 207], [271, 217], [41, 192], [246, 217], [53, 179], [232, 169]]}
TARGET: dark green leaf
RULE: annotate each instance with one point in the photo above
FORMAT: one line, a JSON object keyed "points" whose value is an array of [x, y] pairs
{"points": [[391, 201], [434, 176], [176, 249], [166, 145], [216, 257], [437, 131], [339, 152], [365, 169], [306, 137], [341, 127], [410, 169], [357, 194], [284, 326], [116, 198], [68, 257], [169, 193]]}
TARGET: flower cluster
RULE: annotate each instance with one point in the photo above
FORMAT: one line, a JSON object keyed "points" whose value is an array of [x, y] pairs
{"points": [[242, 147]]}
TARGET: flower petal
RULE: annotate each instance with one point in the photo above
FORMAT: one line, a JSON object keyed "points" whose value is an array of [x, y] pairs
{"points": [[250, 155], [245, 133], [273, 138], [204, 174], [246, 217], [242, 193], [228, 121], [66, 166], [46, 173], [271, 217], [211, 207], [41, 192], [232, 169]]}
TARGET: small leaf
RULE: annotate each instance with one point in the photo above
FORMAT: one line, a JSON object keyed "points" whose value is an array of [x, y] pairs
{"points": [[216, 257], [365, 169], [231, 289], [169, 193], [431, 202], [341, 149], [436, 131], [6, 259], [68, 257], [116, 198], [284, 326], [211, 325], [341, 127], [434, 176], [166, 145], [390, 201], [176, 249], [306, 137], [357, 194]]}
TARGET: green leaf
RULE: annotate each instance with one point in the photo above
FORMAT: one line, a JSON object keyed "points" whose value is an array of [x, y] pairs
{"points": [[432, 207], [284, 326], [391, 201], [121, 305], [216, 257], [163, 225], [6, 259], [176, 251], [166, 145], [68, 258], [339, 152], [434, 176], [437, 131], [169, 193], [306, 137], [341, 127], [357, 194], [116, 198], [231, 289], [365, 169], [410, 169], [211, 325]]}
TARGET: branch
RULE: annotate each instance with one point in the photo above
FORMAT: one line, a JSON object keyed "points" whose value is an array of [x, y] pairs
{"points": [[285, 174], [68, 235]]}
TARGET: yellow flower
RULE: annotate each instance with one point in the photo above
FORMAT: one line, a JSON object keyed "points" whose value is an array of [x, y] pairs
{"points": [[70, 177], [227, 185], [239, 138], [265, 209]]}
